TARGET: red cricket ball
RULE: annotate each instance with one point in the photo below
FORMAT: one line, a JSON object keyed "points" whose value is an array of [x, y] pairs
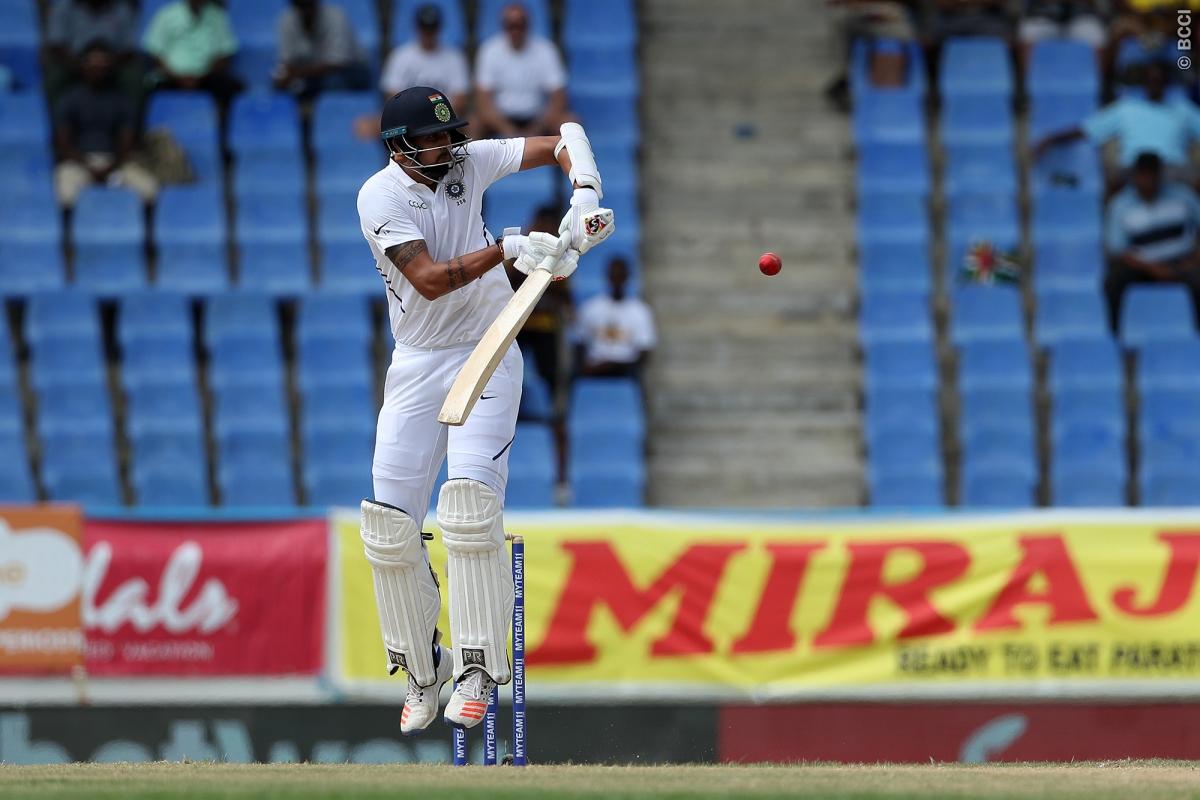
{"points": [[769, 264]]}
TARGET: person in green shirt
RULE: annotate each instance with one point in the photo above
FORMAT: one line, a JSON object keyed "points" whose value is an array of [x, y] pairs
{"points": [[192, 44]]}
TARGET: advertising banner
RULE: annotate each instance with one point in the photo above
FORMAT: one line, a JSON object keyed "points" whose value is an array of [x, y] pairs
{"points": [[41, 564], [216, 598], [701, 607]]}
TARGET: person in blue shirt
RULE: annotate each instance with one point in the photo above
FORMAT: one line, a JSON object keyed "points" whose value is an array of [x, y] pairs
{"points": [[1150, 235], [1152, 124]]}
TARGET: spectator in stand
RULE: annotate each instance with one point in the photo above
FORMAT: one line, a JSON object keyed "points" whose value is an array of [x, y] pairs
{"points": [[1078, 20], [616, 331], [1151, 235], [192, 44], [318, 51], [544, 335], [95, 125], [427, 61], [74, 24], [520, 81], [886, 28], [969, 18], [1153, 124]]}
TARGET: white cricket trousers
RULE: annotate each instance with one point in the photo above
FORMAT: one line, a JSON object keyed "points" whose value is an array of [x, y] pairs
{"points": [[410, 443]]}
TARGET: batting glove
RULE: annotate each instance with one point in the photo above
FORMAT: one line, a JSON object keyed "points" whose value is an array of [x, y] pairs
{"points": [[586, 224], [544, 251]]}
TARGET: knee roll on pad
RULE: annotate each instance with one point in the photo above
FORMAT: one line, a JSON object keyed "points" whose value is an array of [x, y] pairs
{"points": [[406, 589], [481, 588]]}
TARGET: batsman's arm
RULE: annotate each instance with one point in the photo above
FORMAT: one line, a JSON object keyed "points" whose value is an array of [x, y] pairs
{"points": [[539, 152], [432, 279]]}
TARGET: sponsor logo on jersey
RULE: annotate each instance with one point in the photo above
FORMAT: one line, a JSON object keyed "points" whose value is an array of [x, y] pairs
{"points": [[418, 204]]}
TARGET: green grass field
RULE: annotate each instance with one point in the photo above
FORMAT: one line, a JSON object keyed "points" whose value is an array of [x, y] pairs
{"points": [[1123, 780]]}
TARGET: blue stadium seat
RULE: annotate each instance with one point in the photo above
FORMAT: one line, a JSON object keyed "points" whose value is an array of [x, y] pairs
{"points": [[16, 479], [1000, 448], [531, 468], [29, 267], [256, 23], [239, 315], [1169, 487], [1060, 67], [902, 219], [158, 446], [895, 317], [994, 364], [1087, 486], [325, 406], [109, 234], [975, 66], [890, 409], [23, 118], [1064, 316], [1088, 444], [1156, 314], [59, 363], [894, 168], [196, 269], [487, 18], [246, 407], [1066, 214], [907, 491], [337, 219], [344, 170], [623, 449], [895, 116], [264, 121], [904, 452], [191, 117], [283, 270], [31, 217], [89, 487], [598, 485], [154, 315], [27, 168], [19, 43], [351, 446], [990, 217], [606, 63], [256, 487], [1085, 364], [364, 19], [454, 27], [1164, 449], [514, 200], [332, 316], [186, 216], [980, 169], [333, 118], [84, 410], [863, 88], [585, 23], [61, 314], [348, 266], [1067, 265], [609, 111], [283, 220], [996, 487], [1169, 365], [1056, 113], [1074, 165], [245, 362], [612, 403], [1088, 410], [1169, 413], [334, 361], [536, 404], [180, 488], [326, 485], [174, 406], [262, 175], [894, 267], [148, 362], [977, 120], [900, 365], [986, 313]]}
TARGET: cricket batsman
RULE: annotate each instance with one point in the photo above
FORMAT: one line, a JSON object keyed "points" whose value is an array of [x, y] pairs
{"points": [[422, 216]]}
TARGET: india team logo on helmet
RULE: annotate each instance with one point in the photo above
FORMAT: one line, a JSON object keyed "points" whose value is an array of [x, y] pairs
{"points": [[442, 112]]}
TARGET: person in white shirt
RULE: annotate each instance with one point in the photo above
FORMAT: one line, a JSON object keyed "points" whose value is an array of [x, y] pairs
{"points": [[616, 331], [427, 61], [422, 217], [520, 80]]}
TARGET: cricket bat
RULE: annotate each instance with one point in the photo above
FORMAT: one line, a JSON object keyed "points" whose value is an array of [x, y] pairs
{"points": [[486, 356]]}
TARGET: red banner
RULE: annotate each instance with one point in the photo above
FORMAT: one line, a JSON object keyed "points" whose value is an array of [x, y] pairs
{"points": [[204, 598], [969, 732]]}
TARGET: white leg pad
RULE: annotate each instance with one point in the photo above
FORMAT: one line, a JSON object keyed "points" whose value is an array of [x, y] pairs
{"points": [[406, 590], [481, 587]]}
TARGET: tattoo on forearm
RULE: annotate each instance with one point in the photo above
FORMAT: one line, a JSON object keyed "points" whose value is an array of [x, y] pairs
{"points": [[402, 254], [456, 272]]}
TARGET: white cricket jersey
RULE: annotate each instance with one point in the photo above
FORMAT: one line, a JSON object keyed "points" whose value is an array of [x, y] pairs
{"points": [[394, 209]]}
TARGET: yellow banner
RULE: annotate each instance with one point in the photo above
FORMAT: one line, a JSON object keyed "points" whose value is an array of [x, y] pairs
{"points": [[670, 605]]}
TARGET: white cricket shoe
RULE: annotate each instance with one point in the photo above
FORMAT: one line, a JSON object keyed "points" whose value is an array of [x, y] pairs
{"points": [[421, 703], [469, 701]]}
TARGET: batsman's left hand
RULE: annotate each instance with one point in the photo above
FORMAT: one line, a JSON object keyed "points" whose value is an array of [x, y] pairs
{"points": [[586, 224]]}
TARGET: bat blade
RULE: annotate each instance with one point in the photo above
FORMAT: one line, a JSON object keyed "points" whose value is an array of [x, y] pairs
{"points": [[486, 356]]}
